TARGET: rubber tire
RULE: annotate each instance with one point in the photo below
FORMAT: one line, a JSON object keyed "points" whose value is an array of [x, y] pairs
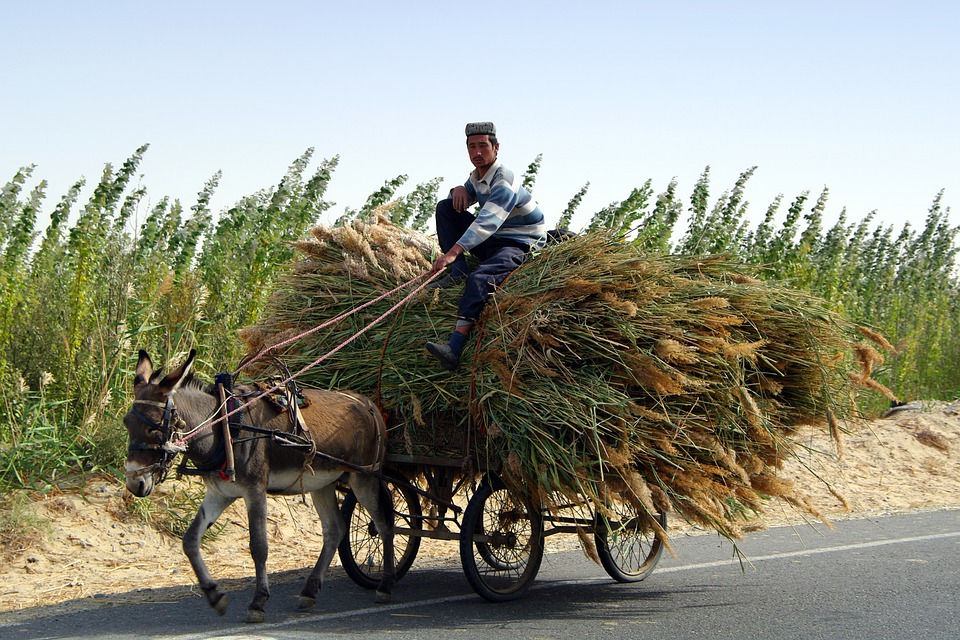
{"points": [[362, 539], [505, 570], [628, 556]]}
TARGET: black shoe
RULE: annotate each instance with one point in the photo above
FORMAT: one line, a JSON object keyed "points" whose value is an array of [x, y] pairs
{"points": [[442, 352], [447, 281]]}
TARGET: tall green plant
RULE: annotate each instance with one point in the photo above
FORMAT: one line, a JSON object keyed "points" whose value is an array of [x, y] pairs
{"points": [[699, 202], [249, 246], [620, 217], [417, 208], [17, 233], [567, 215], [655, 230], [533, 170], [374, 201]]}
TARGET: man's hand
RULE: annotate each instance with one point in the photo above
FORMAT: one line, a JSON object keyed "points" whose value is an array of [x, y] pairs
{"points": [[446, 259], [460, 198]]}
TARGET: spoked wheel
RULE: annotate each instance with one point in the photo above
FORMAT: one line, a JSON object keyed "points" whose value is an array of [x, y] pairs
{"points": [[361, 550], [501, 542], [626, 543]]}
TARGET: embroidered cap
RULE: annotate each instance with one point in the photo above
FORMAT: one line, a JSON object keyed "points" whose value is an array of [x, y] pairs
{"points": [[480, 129]]}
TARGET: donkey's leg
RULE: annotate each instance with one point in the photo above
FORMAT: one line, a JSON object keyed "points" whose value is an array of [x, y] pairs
{"points": [[325, 502], [375, 498], [256, 501], [212, 506]]}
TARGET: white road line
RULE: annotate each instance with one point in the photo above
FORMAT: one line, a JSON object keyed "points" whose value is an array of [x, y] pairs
{"points": [[810, 552], [244, 632]]}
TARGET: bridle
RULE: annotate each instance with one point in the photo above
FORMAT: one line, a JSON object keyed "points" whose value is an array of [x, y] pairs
{"points": [[168, 448]]}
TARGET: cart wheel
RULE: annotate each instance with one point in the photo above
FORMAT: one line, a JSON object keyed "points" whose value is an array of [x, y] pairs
{"points": [[501, 542], [361, 550], [628, 550]]}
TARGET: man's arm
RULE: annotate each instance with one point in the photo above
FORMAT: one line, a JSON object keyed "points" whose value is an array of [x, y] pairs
{"points": [[447, 259]]}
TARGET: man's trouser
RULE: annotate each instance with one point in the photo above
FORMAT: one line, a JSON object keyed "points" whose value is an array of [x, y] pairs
{"points": [[498, 258]]}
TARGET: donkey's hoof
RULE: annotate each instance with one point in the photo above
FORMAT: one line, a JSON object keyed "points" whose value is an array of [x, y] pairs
{"points": [[254, 615], [305, 602], [383, 597], [220, 606]]}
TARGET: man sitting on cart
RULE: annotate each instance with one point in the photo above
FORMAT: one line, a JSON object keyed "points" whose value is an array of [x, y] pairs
{"points": [[508, 226]]}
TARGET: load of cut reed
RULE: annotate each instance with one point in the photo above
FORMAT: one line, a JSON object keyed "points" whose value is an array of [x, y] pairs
{"points": [[597, 373]]}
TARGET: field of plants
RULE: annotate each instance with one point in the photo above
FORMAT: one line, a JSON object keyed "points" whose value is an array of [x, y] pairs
{"points": [[113, 275]]}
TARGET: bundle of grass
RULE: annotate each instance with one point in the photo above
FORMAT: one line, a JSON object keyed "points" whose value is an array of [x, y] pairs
{"points": [[597, 372]]}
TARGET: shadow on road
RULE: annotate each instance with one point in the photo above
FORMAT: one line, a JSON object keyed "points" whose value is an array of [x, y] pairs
{"points": [[427, 599]]}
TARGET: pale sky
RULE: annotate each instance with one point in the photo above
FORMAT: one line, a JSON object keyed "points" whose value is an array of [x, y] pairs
{"points": [[862, 97]]}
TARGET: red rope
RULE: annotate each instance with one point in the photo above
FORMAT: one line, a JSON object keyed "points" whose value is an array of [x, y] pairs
{"points": [[201, 427]]}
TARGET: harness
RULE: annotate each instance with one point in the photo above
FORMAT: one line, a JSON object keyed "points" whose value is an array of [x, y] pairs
{"points": [[219, 461], [222, 459]]}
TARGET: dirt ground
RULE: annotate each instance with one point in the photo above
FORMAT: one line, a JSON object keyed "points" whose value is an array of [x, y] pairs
{"points": [[96, 552]]}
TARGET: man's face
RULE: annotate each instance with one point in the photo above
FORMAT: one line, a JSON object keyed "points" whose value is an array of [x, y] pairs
{"points": [[482, 153]]}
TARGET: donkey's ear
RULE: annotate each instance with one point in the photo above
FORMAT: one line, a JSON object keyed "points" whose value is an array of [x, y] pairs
{"points": [[144, 369], [173, 380]]}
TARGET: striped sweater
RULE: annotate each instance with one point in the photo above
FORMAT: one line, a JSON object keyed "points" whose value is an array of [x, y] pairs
{"points": [[506, 209]]}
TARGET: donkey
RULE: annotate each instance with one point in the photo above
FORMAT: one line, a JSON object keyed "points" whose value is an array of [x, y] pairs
{"points": [[344, 426]]}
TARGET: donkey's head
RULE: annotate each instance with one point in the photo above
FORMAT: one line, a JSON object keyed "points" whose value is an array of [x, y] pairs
{"points": [[150, 423]]}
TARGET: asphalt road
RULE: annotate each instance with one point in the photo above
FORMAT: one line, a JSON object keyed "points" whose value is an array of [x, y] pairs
{"points": [[884, 578]]}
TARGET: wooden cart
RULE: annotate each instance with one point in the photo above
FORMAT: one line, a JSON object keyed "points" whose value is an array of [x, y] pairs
{"points": [[501, 535]]}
